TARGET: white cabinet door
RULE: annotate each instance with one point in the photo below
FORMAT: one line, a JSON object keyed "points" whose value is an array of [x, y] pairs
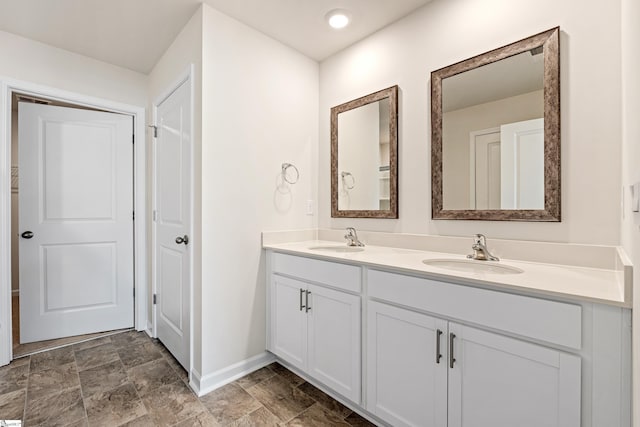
{"points": [[334, 340], [406, 380], [503, 382], [289, 320]]}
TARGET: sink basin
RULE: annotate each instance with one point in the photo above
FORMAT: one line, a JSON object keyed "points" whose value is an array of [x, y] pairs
{"points": [[469, 266], [339, 249]]}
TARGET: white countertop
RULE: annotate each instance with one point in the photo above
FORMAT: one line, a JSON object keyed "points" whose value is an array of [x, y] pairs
{"points": [[573, 282]]}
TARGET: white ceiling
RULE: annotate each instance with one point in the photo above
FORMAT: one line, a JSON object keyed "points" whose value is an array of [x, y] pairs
{"points": [[134, 33]]}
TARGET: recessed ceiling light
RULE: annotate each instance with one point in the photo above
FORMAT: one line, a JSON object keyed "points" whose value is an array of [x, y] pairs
{"points": [[338, 18]]}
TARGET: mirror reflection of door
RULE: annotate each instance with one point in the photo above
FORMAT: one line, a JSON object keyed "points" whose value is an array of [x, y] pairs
{"points": [[507, 166]]}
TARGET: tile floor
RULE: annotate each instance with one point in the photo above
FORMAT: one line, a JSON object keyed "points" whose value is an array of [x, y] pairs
{"points": [[20, 350], [128, 379]]}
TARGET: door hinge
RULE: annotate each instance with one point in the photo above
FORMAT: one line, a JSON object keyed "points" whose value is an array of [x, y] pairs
{"points": [[154, 298], [155, 130], [133, 138], [134, 293], [155, 216], [134, 215]]}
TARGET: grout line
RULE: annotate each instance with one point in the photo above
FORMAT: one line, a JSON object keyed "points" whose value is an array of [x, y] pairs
{"points": [[84, 406], [26, 391]]}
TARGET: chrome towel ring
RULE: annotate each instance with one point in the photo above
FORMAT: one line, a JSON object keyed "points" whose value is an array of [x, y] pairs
{"points": [[344, 180], [285, 168]]}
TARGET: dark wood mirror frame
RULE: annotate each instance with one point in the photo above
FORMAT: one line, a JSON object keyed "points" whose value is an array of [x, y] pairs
{"points": [[392, 94], [550, 42]]}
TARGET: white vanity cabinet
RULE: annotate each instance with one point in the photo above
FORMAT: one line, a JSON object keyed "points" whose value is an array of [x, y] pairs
{"points": [[413, 350], [468, 376], [425, 371], [316, 328]]}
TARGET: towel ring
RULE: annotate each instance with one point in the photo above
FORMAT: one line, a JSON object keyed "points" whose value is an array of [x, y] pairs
{"points": [[285, 168], [344, 182]]}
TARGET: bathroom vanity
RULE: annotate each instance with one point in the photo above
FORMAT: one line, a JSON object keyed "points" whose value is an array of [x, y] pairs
{"points": [[418, 338]]}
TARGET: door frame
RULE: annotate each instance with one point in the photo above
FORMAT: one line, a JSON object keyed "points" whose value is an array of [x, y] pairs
{"points": [[187, 76], [472, 160], [7, 87]]}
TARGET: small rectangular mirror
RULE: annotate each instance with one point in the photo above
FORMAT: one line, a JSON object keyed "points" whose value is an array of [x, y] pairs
{"points": [[364, 150], [496, 134]]}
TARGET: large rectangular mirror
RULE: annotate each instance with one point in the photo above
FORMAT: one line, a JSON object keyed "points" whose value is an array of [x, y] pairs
{"points": [[495, 147], [364, 150]]}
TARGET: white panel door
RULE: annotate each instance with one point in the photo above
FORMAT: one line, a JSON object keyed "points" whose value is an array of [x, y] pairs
{"points": [[334, 340], [289, 320], [76, 201], [406, 367], [485, 170], [522, 163], [498, 381], [172, 214]]}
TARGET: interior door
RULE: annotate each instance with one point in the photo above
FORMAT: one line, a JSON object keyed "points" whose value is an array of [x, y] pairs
{"points": [[75, 220], [485, 170], [172, 217], [522, 164]]}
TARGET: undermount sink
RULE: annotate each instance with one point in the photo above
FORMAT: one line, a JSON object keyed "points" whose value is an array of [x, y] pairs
{"points": [[469, 266], [337, 248]]}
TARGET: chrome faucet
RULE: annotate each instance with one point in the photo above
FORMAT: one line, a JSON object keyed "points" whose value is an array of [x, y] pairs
{"points": [[480, 251], [352, 237]]}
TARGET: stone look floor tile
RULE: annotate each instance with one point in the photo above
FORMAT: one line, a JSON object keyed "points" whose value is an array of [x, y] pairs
{"points": [[171, 403], [52, 380], [130, 380], [114, 407], [285, 373], [204, 419], [51, 359], [144, 421], [229, 403], [92, 343], [12, 405], [61, 408], [280, 397], [139, 353], [317, 416], [325, 400], [95, 356], [357, 421], [255, 377], [13, 378], [261, 417], [152, 375], [126, 339], [102, 378]]}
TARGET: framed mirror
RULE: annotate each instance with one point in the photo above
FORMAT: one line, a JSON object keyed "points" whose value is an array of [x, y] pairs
{"points": [[495, 134], [364, 156]]}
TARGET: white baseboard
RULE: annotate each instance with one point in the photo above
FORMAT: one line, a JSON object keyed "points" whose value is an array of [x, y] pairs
{"points": [[202, 385], [15, 292]]}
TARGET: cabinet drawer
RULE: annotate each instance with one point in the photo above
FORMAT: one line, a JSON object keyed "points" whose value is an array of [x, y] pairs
{"points": [[334, 274], [550, 321]]}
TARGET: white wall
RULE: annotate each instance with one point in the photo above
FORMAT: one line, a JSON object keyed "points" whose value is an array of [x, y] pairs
{"points": [[185, 50], [259, 109], [630, 231], [35, 62], [444, 32]]}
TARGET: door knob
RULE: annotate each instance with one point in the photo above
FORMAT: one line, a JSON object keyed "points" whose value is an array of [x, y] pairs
{"points": [[184, 239], [27, 234]]}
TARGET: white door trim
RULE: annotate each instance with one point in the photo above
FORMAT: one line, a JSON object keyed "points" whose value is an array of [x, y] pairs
{"points": [[472, 161], [7, 87], [186, 76]]}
